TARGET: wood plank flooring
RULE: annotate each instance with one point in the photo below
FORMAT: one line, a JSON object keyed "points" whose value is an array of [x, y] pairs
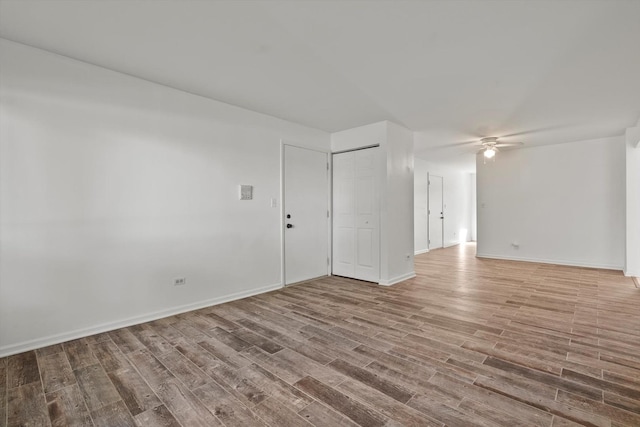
{"points": [[468, 342]]}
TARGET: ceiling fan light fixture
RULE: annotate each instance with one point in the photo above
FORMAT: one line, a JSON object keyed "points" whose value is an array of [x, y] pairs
{"points": [[489, 153]]}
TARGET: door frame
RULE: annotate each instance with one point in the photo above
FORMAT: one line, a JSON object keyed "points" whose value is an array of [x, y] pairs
{"points": [[283, 144], [429, 175]]}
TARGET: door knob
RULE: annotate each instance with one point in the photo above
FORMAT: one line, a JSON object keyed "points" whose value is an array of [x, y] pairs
{"points": [[289, 225]]}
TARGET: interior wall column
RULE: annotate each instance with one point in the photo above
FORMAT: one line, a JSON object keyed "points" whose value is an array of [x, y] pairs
{"points": [[632, 261]]}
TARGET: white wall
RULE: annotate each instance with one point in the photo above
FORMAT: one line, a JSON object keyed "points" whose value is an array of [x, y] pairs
{"points": [[632, 147], [420, 204], [362, 136], [396, 193], [457, 198], [112, 186], [397, 213], [562, 204], [473, 229]]}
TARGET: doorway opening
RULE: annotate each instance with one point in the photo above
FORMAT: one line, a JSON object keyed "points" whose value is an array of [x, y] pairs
{"points": [[435, 212]]}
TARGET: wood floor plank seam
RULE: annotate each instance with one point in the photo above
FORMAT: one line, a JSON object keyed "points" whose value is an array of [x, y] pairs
{"points": [[151, 386], [52, 412], [468, 341], [41, 382], [133, 367]]}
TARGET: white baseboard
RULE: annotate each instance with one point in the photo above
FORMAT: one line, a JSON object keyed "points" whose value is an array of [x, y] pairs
{"points": [[398, 279], [552, 261], [302, 282], [23, 346], [631, 273], [448, 245]]}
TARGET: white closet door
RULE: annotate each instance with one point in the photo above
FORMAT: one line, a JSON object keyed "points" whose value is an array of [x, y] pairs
{"points": [[344, 196], [356, 215]]}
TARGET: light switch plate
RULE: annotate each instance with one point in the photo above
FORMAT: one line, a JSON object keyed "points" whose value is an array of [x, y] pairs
{"points": [[246, 192]]}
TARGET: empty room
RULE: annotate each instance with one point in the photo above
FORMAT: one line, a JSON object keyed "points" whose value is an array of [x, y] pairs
{"points": [[319, 213]]}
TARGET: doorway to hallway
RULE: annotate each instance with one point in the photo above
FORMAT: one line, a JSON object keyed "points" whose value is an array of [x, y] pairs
{"points": [[435, 211]]}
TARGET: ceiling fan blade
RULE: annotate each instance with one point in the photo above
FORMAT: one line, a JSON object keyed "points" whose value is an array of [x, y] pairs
{"points": [[457, 144], [537, 130], [509, 144]]}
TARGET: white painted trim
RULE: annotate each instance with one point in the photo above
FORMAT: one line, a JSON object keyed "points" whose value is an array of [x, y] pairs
{"points": [[302, 282], [282, 214], [364, 147], [421, 251], [398, 279], [631, 273], [23, 346], [452, 244], [553, 261], [330, 217]]}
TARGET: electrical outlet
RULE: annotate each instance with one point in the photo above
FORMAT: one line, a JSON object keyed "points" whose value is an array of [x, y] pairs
{"points": [[180, 281]]}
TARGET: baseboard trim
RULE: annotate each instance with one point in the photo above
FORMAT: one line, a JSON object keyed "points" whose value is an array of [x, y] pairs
{"points": [[631, 273], [397, 279], [302, 282], [20, 347], [552, 261], [421, 251]]}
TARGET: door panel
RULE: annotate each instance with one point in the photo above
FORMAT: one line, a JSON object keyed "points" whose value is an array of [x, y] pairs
{"points": [[436, 212], [343, 214], [365, 247], [356, 243], [365, 195], [344, 256], [306, 245]]}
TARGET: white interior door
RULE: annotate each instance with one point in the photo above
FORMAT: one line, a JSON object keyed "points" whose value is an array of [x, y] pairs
{"points": [[356, 215], [306, 197], [436, 212]]}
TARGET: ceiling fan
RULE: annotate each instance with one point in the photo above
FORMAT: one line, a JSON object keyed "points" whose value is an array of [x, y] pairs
{"points": [[491, 144]]}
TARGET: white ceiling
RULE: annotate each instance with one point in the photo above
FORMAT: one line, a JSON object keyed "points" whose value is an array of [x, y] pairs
{"points": [[551, 71]]}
